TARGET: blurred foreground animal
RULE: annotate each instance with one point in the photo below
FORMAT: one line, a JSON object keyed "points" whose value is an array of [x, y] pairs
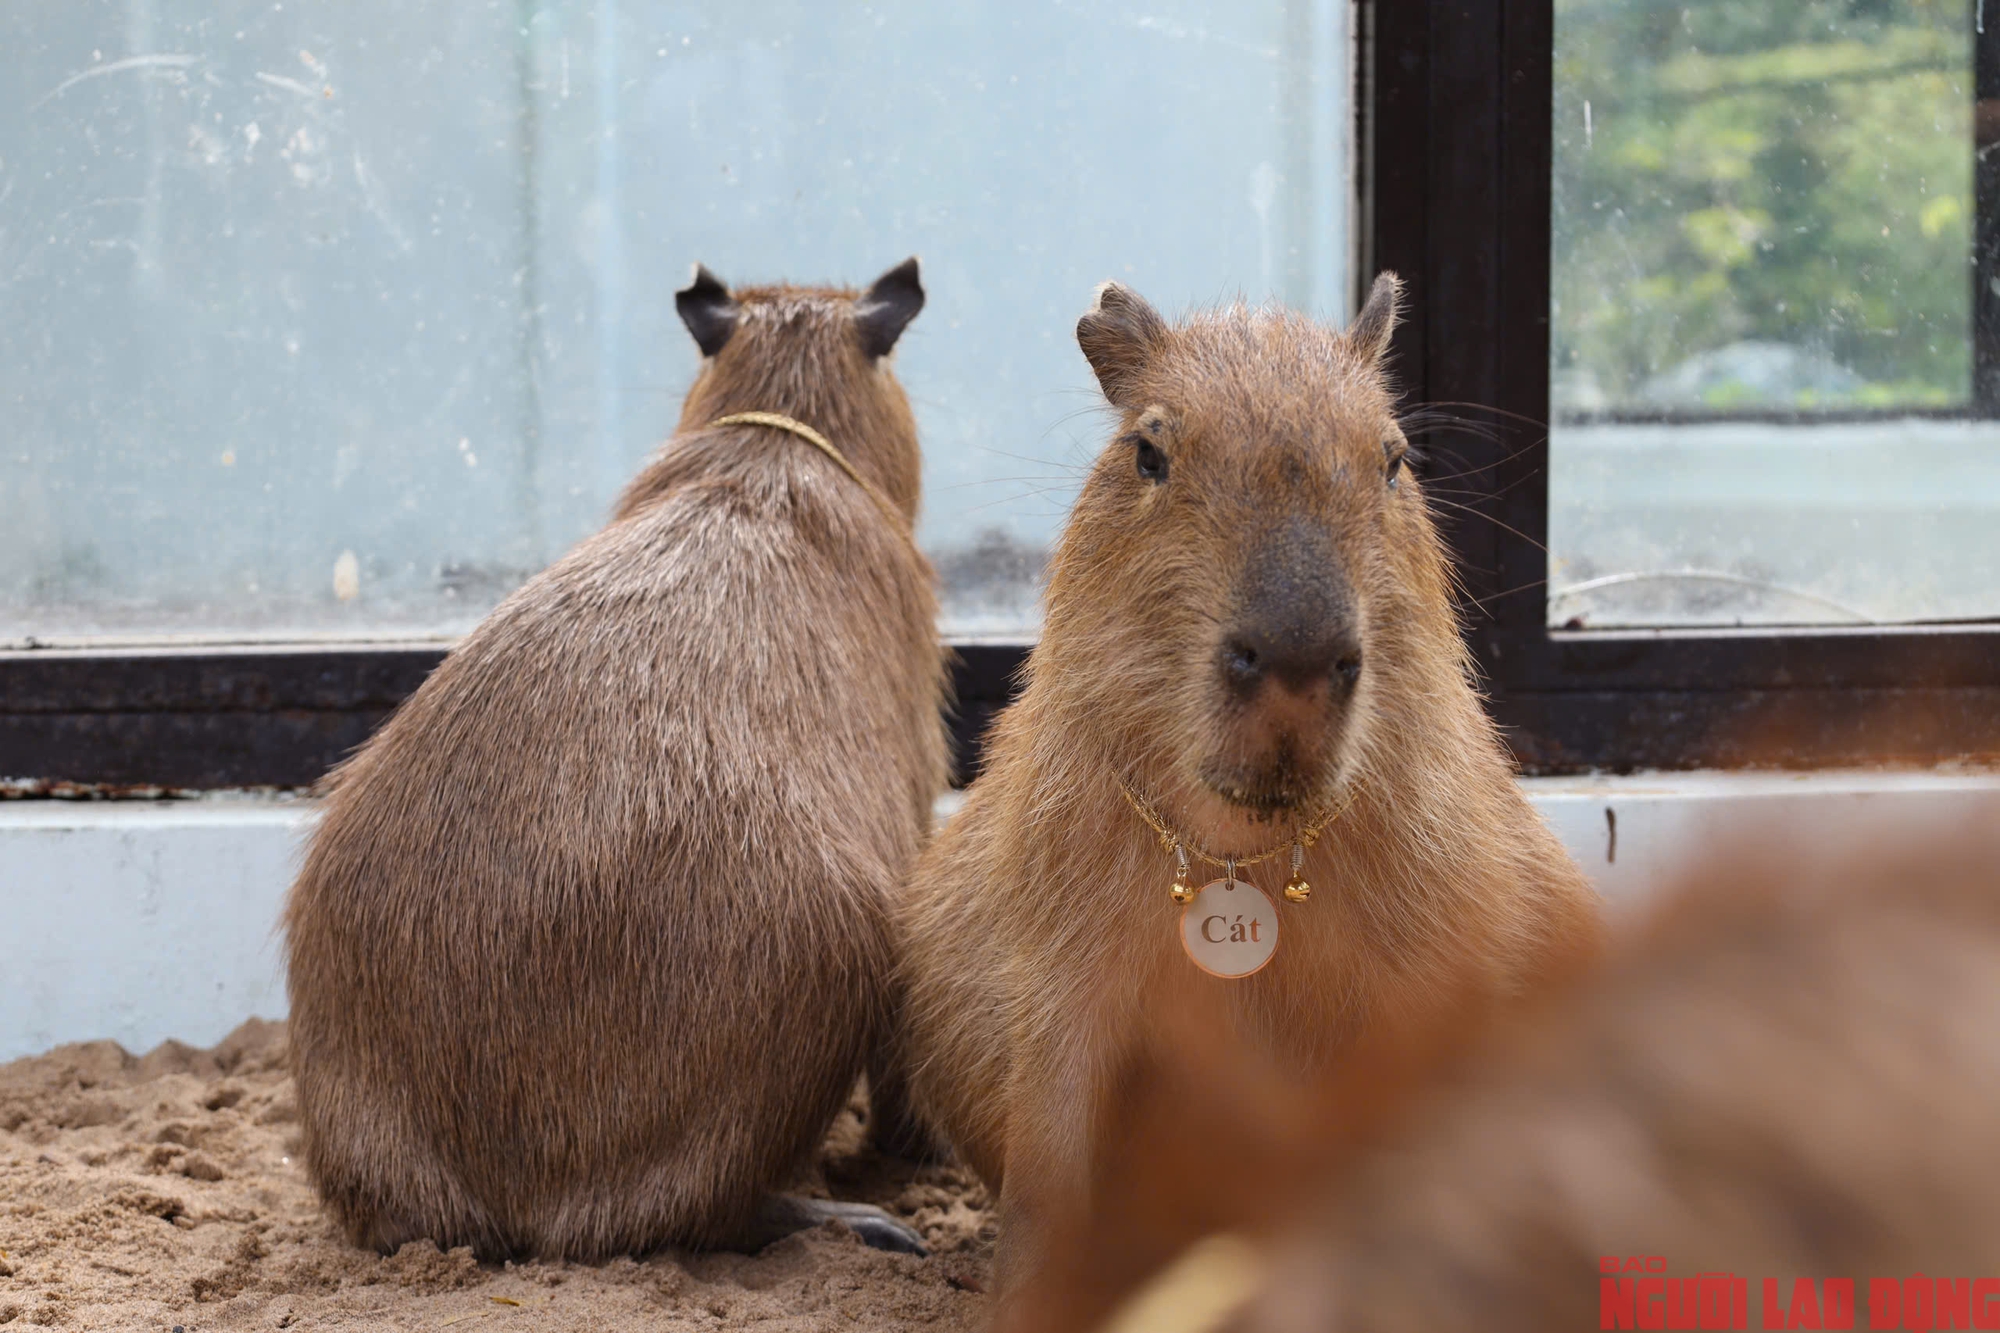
{"points": [[593, 941], [1789, 1072], [1248, 669]]}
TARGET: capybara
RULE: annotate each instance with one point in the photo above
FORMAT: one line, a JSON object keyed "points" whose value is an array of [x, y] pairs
{"points": [[1249, 636], [1787, 1079], [593, 939], [1783, 1071]]}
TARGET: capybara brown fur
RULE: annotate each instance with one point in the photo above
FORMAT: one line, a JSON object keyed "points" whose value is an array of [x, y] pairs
{"points": [[1248, 621], [1782, 1069], [1789, 1073], [593, 938]]}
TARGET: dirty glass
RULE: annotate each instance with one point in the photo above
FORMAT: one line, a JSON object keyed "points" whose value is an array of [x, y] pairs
{"points": [[1764, 380], [341, 319]]}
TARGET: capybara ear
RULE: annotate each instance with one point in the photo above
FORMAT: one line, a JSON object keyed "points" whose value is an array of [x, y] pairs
{"points": [[707, 310], [886, 309], [1371, 328], [1119, 335]]}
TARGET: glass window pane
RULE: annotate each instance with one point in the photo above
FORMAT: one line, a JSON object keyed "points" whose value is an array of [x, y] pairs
{"points": [[1762, 353], [345, 319]]}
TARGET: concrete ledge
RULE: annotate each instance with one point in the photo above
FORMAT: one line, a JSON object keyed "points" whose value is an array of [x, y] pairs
{"points": [[141, 921], [1627, 832]]}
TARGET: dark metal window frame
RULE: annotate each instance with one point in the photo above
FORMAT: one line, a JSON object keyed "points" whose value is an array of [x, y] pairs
{"points": [[1459, 205], [210, 717], [1454, 195]]}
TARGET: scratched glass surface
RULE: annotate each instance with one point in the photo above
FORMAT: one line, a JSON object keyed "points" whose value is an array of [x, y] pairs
{"points": [[1762, 356], [343, 319]]}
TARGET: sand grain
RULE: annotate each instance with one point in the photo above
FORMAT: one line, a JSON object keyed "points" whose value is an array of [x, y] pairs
{"points": [[155, 1191]]}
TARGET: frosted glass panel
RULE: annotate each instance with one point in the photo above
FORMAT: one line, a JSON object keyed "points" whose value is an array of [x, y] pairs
{"points": [[343, 319]]}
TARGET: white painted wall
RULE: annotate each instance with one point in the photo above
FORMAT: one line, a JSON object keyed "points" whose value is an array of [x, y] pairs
{"points": [[1662, 818], [141, 921]]}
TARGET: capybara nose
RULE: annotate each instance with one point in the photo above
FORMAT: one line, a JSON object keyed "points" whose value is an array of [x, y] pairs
{"points": [[1299, 657]]}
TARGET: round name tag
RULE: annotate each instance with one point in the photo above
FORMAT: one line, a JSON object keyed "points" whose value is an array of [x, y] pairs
{"points": [[1230, 929]]}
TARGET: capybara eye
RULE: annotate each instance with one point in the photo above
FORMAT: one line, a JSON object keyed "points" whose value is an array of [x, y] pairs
{"points": [[1152, 463], [1395, 451]]}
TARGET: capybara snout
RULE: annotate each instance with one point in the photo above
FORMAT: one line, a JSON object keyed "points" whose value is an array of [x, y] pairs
{"points": [[1295, 626], [1288, 661], [1251, 514]]}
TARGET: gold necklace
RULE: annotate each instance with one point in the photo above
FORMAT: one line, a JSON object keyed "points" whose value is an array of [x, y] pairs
{"points": [[1296, 888], [779, 421]]}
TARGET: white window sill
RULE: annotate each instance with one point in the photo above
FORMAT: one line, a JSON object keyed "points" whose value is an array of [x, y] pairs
{"points": [[140, 921]]}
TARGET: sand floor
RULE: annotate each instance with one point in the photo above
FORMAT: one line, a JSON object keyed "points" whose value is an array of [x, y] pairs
{"points": [[163, 1192]]}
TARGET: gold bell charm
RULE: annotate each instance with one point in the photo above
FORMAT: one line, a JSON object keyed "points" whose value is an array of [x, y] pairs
{"points": [[1296, 888], [1183, 891]]}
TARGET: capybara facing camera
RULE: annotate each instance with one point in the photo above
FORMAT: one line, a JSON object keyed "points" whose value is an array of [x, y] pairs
{"points": [[593, 939], [1248, 635]]}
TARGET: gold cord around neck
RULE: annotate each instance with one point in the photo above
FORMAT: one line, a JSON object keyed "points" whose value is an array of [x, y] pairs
{"points": [[779, 421], [1296, 889]]}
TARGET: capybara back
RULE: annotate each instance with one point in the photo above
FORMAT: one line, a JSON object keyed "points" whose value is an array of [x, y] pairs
{"points": [[591, 942]]}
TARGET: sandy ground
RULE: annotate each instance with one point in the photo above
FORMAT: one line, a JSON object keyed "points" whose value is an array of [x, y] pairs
{"points": [[163, 1192]]}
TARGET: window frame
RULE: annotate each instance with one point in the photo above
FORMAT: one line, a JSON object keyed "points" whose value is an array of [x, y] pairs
{"points": [[1453, 106], [1460, 118], [142, 720]]}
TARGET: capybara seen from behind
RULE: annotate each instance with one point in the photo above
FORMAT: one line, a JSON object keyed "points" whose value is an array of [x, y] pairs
{"points": [[1788, 1076], [593, 939], [1249, 641]]}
